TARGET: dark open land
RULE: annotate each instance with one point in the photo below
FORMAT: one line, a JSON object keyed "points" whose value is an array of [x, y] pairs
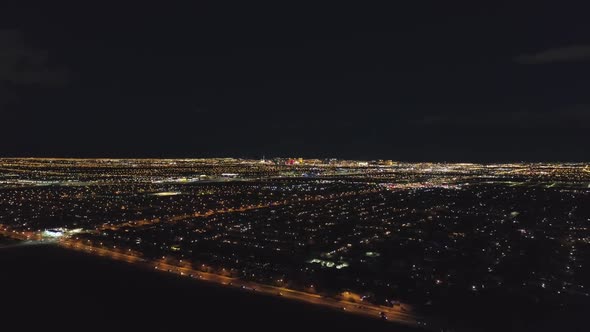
{"points": [[45, 286], [52, 288]]}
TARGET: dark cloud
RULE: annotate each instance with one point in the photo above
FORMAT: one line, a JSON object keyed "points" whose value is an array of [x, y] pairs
{"points": [[211, 81], [24, 67], [572, 117], [563, 54]]}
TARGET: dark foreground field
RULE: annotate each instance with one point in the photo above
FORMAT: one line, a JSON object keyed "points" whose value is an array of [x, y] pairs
{"points": [[49, 288], [45, 287]]}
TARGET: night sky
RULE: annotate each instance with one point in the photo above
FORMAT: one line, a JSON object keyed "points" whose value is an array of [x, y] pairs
{"points": [[422, 81]]}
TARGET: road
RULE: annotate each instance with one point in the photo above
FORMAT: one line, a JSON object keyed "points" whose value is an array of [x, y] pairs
{"points": [[362, 309], [205, 214], [395, 314], [365, 309]]}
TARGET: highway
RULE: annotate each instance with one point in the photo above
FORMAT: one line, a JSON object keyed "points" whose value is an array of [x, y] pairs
{"points": [[22, 244], [393, 314], [357, 308]]}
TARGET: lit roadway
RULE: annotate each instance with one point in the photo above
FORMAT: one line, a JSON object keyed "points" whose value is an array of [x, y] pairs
{"points": [[365, 309], [396, 314], [173, 219]]}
